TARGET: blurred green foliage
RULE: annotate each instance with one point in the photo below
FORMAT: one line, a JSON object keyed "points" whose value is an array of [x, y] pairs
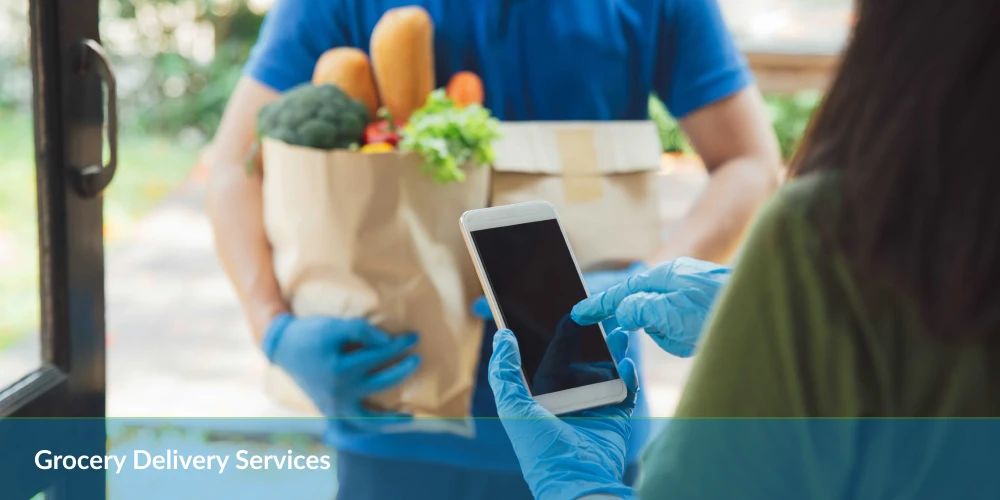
{"points": [[176, 61], [671, 136], [789, 114], [207, 90], [193, 52]]}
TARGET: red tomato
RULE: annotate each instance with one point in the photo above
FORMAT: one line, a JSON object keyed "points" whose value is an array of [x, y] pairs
{"points": [[380, 132]]}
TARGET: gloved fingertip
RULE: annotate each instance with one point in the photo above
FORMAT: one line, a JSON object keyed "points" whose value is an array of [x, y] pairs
{"points": [[410, 338], [618, 343], [583, 312], [629, 375], [481, 308], [412, 360], [502, 336]]}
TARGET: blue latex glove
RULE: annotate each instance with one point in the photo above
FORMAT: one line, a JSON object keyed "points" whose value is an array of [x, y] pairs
{"points": [[564, 459], [338, 363], [670, 302], [597, 282]]}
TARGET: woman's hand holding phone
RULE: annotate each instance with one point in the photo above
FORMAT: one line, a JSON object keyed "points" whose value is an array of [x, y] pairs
{"points": [[527, 268], [548, 448]]}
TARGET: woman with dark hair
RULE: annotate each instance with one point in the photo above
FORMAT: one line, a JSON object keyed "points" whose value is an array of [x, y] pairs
{"points": [[869, 287]]}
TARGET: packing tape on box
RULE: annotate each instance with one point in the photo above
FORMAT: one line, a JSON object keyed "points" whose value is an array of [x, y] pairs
{"points": [[580, 169]]}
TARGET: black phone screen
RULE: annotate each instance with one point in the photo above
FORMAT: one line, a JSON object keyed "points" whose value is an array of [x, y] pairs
{"points": [[536, 284]]}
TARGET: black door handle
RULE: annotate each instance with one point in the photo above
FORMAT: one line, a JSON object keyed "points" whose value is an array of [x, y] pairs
{"points": [[90, 57]]}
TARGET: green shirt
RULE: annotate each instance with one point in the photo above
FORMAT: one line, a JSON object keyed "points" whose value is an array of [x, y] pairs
{"points": [[797, 334]]}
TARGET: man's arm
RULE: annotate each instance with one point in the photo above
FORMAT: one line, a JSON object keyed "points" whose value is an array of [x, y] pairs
{"points": [[739, 149], [235, 207]]}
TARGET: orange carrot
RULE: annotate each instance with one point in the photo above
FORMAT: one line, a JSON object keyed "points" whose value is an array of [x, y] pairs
{"points": [[465, 88]]}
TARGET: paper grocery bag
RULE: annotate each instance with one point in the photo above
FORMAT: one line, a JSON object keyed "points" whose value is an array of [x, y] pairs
{"points": [[368, 235], [600, 176]]}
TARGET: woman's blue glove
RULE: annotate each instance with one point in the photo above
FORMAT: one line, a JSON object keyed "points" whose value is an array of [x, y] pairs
{"points": [[339, 362], [564, 459], [597, 282], [670, 302]]}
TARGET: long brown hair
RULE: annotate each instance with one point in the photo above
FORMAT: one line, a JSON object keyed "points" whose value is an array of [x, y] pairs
{"points": [[912, 120]]}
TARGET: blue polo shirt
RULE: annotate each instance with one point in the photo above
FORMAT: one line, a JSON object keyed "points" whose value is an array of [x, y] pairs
{"points": [[539, 60]]}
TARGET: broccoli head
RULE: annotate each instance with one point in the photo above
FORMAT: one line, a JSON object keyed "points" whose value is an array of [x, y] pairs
{"points": [[321, 117]]}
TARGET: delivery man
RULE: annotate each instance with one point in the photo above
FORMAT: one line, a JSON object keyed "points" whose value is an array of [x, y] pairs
{"points": [[539, 60]]}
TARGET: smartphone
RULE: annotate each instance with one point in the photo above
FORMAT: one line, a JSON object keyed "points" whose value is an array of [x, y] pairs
{"points": [[532, 281]]}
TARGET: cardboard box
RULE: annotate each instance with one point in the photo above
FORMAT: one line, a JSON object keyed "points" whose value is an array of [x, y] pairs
{"points": [[599, 175]]}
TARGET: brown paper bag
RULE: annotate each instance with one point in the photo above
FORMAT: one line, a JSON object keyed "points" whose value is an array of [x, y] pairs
{"points": [[368, 235], [600, 176]]}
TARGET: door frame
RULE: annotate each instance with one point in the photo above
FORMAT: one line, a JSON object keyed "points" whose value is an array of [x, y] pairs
{"points": [[69, 116]]}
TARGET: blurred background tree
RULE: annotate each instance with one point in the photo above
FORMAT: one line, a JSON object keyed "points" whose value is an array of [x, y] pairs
{"points": [[179, 59], [176, 60]]}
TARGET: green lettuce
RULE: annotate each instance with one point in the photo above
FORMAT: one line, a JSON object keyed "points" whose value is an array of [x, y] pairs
{"points": [[447, 137]]}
